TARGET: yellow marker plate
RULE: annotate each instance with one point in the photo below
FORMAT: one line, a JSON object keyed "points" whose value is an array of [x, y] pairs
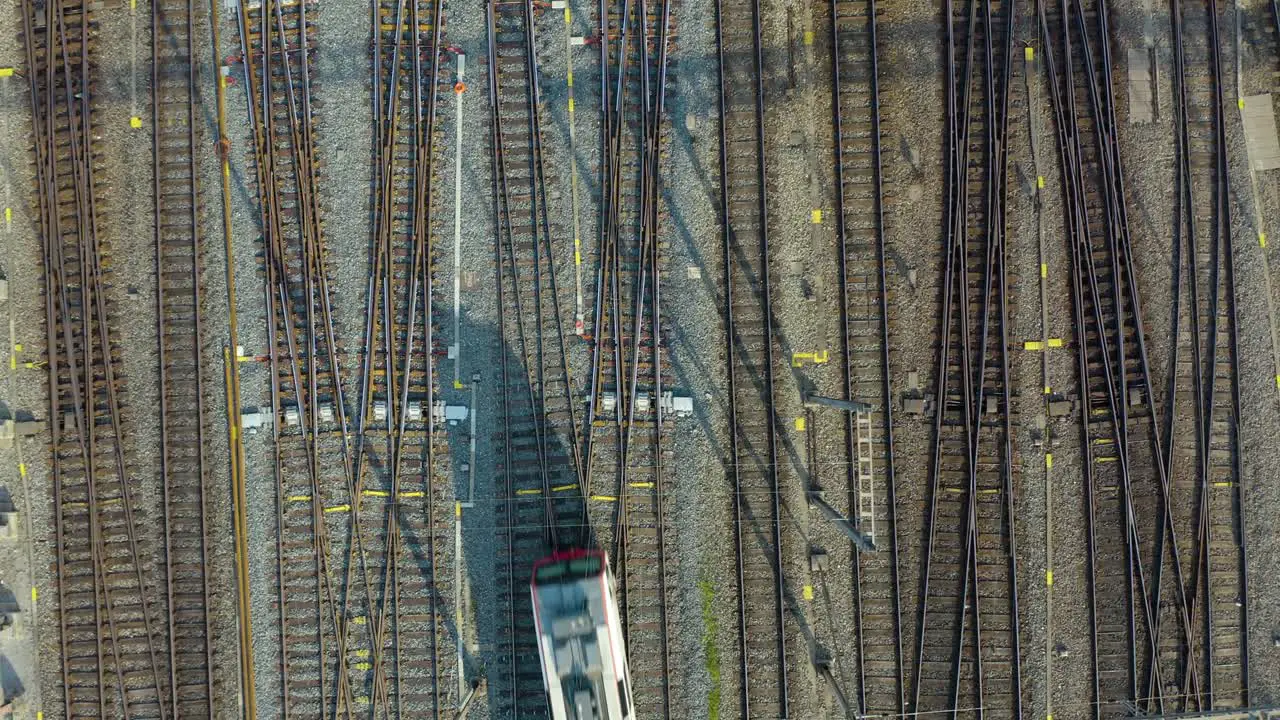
{"points": [[1048, 460], [1033, 345], [815, 216], [1029, 53], [135, 122], [6, 72], [808, 592], [1048, 578], [800, 424]]}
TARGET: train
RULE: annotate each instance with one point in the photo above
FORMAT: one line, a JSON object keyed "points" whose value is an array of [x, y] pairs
{"points": [[580, 642]]}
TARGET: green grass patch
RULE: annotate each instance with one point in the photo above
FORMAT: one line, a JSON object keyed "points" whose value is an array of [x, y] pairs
{"points": [[710, 632]]}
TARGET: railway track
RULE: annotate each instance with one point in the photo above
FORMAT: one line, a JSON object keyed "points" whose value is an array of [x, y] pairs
{"points": [[112, 644], [1130, 528], [540, 482], [313, 471], [1208, 669], [628, 358], [968, 658], [397, 574], [753, 459], [178, 245], [864, 301]]}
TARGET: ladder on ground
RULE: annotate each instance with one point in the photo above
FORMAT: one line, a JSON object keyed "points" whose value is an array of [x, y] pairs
{"points": [[866, 478]]}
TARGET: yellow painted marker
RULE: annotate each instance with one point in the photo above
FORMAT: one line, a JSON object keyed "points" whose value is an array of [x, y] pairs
{"points": [[6, 72], [135, 122], [800, 424], [1029, 53], [815, 216], [1048, 578], [1048, 460], [808, 592]]}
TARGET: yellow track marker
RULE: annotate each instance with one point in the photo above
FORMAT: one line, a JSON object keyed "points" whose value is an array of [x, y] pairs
{"points": [[800, 424]]}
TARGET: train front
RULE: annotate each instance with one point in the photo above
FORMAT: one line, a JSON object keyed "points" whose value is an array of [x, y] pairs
{"points": [[584, 661]]}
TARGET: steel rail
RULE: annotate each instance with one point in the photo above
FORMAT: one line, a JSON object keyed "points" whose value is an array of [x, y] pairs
{"points": [[497, 177], [992, 324], [1087, 289], [539, 528], [1203, 654], [861, 566], [738, 249], [296, 105], [609, 270], [651, 686], [182, 436], [92, 395]]}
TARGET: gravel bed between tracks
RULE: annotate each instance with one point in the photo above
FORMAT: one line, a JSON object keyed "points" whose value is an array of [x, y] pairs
{"points": [[704, 646]]}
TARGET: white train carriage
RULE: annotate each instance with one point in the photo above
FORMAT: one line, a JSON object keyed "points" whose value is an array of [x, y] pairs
{"points": [[584, 660]]}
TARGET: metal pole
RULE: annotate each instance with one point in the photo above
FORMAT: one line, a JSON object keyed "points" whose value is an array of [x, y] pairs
{"points": [[842, 523]]}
